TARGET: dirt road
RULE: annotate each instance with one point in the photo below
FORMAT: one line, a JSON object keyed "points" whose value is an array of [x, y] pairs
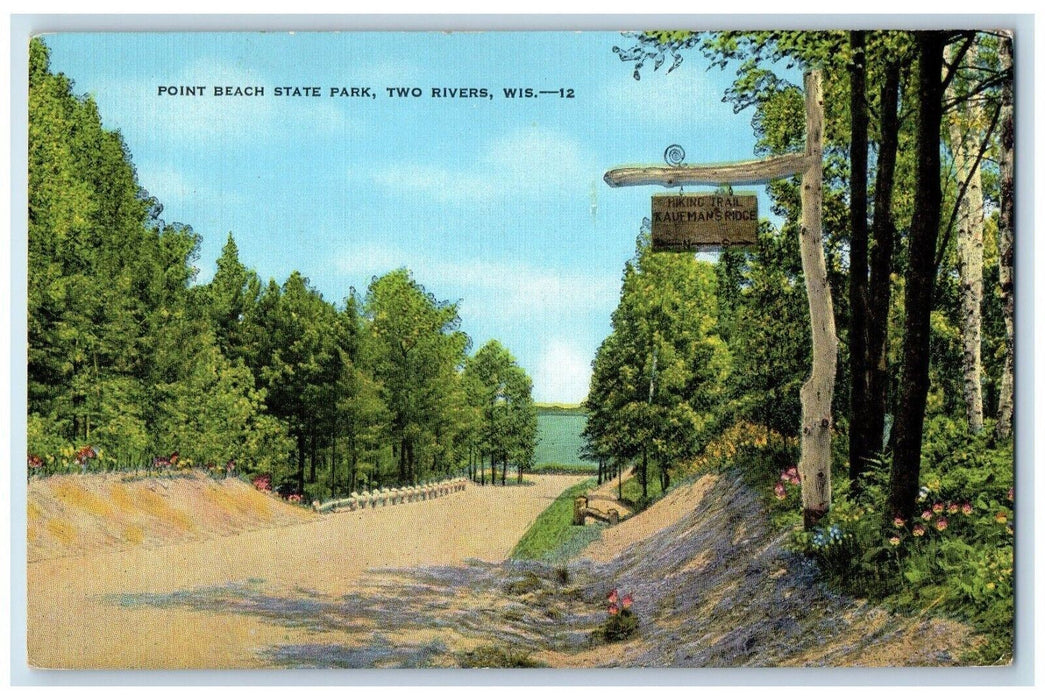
{"points": [[76, 619]]}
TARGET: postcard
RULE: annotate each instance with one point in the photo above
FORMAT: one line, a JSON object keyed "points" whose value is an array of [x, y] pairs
{"points": [[519, 349]]}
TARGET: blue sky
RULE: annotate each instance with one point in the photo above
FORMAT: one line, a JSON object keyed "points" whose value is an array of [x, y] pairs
{"points": [[496, 203]]}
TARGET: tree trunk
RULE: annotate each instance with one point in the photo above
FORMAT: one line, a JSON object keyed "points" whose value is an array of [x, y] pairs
{"points": [[918, 297], [1005, 243], [333, 460], [880, 290], [816, 393], [970, 255], [402, 460], [301, 462], [859, 404], [312, 457]]}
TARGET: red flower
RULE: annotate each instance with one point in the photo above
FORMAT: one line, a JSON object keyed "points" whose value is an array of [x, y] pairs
{"points": [[937, 508], [918, 530], [898, 521], [967, 508], [941, 524], [626, 601], [35, 462], [613, 609], [952, 508], [612, 597], [779, 490]]}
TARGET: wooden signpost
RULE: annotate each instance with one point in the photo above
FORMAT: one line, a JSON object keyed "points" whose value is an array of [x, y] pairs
{"points": [[815, 464], [692, 222]]}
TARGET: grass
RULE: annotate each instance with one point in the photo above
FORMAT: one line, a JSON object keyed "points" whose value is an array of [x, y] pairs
{"points": [[632, 491], [556, 468], [553, 536]]}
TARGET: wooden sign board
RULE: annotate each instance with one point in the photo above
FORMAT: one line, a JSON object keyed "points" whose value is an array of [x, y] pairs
{"points": [[694, 222]]}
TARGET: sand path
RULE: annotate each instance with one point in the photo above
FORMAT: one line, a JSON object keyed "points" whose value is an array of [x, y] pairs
{"points": [[73, 624]]}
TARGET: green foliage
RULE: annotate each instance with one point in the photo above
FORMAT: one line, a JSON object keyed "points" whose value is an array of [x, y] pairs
{"points": [[508, 422], [657, 379], [552, 537], [955, 556], [559, 468], [131, 361], [622, 622]]}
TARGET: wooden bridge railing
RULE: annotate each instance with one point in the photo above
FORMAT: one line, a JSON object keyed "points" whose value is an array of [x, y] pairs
{"points": [[581, 510], [390, 497]]}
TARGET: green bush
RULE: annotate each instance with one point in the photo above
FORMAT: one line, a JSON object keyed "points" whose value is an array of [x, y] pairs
{"points": [[954, 556]]}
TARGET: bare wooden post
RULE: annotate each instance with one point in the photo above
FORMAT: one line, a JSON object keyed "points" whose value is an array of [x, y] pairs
{"points": [[580, 506], [815, 464]]}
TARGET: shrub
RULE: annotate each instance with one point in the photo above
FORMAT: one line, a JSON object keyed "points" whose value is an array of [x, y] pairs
{"points": [[622, 623], [955, 555]]}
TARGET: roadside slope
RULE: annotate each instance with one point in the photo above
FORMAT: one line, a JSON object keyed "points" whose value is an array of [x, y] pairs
{"points": [[80, 514]]}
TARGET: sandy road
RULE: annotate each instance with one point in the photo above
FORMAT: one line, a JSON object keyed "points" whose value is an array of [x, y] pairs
{"points": [[73, 625]]}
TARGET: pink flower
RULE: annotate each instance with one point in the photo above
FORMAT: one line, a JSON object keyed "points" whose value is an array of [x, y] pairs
{"points": [[937, 508], [612, 597], [796, 479], [927, 515], [899, 522], [792, 471], [626, 601], [894, 541], [613, 609], [1012, 493], [918, 530], [35, 462], [952, 508], [941, 524], [780, 492], [967, 508]]}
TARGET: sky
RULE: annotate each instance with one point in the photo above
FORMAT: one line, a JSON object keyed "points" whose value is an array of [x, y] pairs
{"points": [[496, 203]]}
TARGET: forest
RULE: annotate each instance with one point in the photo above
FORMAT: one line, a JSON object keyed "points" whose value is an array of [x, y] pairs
{"points": [[134, 366], [704, 366]]}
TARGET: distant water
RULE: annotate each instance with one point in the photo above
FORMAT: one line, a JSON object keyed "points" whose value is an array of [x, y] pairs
{"points": [[560, 438]]}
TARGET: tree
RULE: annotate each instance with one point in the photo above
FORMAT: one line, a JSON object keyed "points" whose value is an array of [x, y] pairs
{"points": [[920, 279], [659, 376], [1005, 236], [416, 352], [230, 297], [502, 392]]}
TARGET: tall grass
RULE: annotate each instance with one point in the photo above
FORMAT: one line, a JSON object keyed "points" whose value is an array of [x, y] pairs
{"points": [[553, 536]]}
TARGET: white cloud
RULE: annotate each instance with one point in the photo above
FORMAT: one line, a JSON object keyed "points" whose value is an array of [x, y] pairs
{"points": [[492, 288], [527, 162], [564, 373]]}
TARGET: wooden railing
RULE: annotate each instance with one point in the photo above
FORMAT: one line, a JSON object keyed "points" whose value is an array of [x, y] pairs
{"points": [[581, 510], [391, 497]]}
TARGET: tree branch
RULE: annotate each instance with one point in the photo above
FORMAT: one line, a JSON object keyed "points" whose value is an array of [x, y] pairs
{"points": [[740, 173], [964, 186]]}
